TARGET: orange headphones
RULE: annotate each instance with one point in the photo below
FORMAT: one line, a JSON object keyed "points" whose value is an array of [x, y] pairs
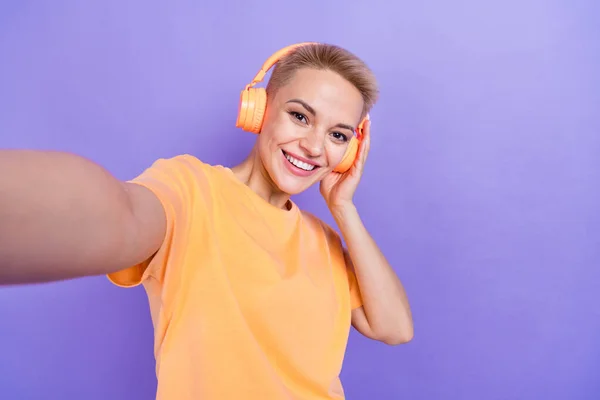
{"points": [[253, 102]]}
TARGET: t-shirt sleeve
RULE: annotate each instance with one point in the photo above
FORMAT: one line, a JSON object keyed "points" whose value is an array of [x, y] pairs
{"points": [[355, 295], [335, 242], [169, 180]]}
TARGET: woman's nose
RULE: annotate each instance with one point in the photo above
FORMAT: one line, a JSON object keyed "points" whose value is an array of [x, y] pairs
{"points": [[312, 144]]}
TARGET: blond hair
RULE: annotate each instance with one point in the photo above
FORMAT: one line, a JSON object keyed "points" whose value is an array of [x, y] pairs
{"points": [[326, 57]]}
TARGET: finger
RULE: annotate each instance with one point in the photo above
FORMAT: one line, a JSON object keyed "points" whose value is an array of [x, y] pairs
{"points": [[366, 142], [362, 155], [366, 131], [363, 148]]}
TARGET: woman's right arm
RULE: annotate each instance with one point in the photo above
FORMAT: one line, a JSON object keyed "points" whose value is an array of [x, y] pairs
{"points": [[63, 216]]}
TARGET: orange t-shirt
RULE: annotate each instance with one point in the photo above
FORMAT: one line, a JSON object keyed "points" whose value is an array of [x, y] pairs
{"points": [[248, 301]]}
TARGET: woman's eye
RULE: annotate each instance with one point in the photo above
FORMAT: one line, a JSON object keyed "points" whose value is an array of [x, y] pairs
{"points": [[339, 136], [298, 116]]}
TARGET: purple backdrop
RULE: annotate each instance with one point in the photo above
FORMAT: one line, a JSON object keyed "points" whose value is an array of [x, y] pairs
{"points": [[481, 187]]}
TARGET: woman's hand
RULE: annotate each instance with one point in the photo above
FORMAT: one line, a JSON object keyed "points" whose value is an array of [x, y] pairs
{"points": [[338, 189]]}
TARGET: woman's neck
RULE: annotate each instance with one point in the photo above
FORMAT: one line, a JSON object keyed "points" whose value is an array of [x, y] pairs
{"points": [[253, 174]]}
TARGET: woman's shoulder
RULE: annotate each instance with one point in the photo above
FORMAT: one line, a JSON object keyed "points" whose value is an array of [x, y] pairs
{"points": [[183, 161], [182, 175], [185, 165], [320, 225]]}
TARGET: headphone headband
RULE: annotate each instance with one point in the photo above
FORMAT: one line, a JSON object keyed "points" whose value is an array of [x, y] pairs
{"points": [[273, 60]]}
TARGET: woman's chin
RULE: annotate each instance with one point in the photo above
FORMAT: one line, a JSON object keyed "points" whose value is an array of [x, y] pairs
{"points": [[291, 188], [292, 185]]}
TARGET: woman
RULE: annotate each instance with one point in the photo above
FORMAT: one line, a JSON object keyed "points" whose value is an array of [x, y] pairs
{"points": [[250, 297]]}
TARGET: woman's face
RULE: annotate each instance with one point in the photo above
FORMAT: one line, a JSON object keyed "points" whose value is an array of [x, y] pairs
{"points": [[307, 127]]}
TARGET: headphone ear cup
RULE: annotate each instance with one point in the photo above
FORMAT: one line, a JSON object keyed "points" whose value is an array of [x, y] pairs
{"points": [[242, 110], [251, 111], [260, 105], [349, 156]]}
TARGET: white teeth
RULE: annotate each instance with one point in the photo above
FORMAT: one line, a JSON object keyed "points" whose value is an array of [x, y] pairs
{"points": [[299, 164]]}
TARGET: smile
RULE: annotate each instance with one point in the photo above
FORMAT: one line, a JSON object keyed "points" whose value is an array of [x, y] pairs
{"points": [[300, 164], [299, 167]]}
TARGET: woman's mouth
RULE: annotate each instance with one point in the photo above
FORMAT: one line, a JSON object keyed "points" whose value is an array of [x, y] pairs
{"points": [[297, 166]]}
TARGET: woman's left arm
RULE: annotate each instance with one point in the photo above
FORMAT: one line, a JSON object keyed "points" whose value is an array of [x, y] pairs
{"points": [[385, 314]]}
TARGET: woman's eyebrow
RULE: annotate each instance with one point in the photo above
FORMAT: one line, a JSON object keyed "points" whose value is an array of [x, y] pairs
{"points": [[344, 126], [305, 105], [314, 113]]}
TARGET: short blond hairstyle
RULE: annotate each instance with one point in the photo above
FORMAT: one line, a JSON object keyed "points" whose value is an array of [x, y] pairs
{"points": [[326, 57]]}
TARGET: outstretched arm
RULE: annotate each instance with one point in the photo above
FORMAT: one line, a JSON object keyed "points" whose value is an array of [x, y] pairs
{"points": [[63, 216]]}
